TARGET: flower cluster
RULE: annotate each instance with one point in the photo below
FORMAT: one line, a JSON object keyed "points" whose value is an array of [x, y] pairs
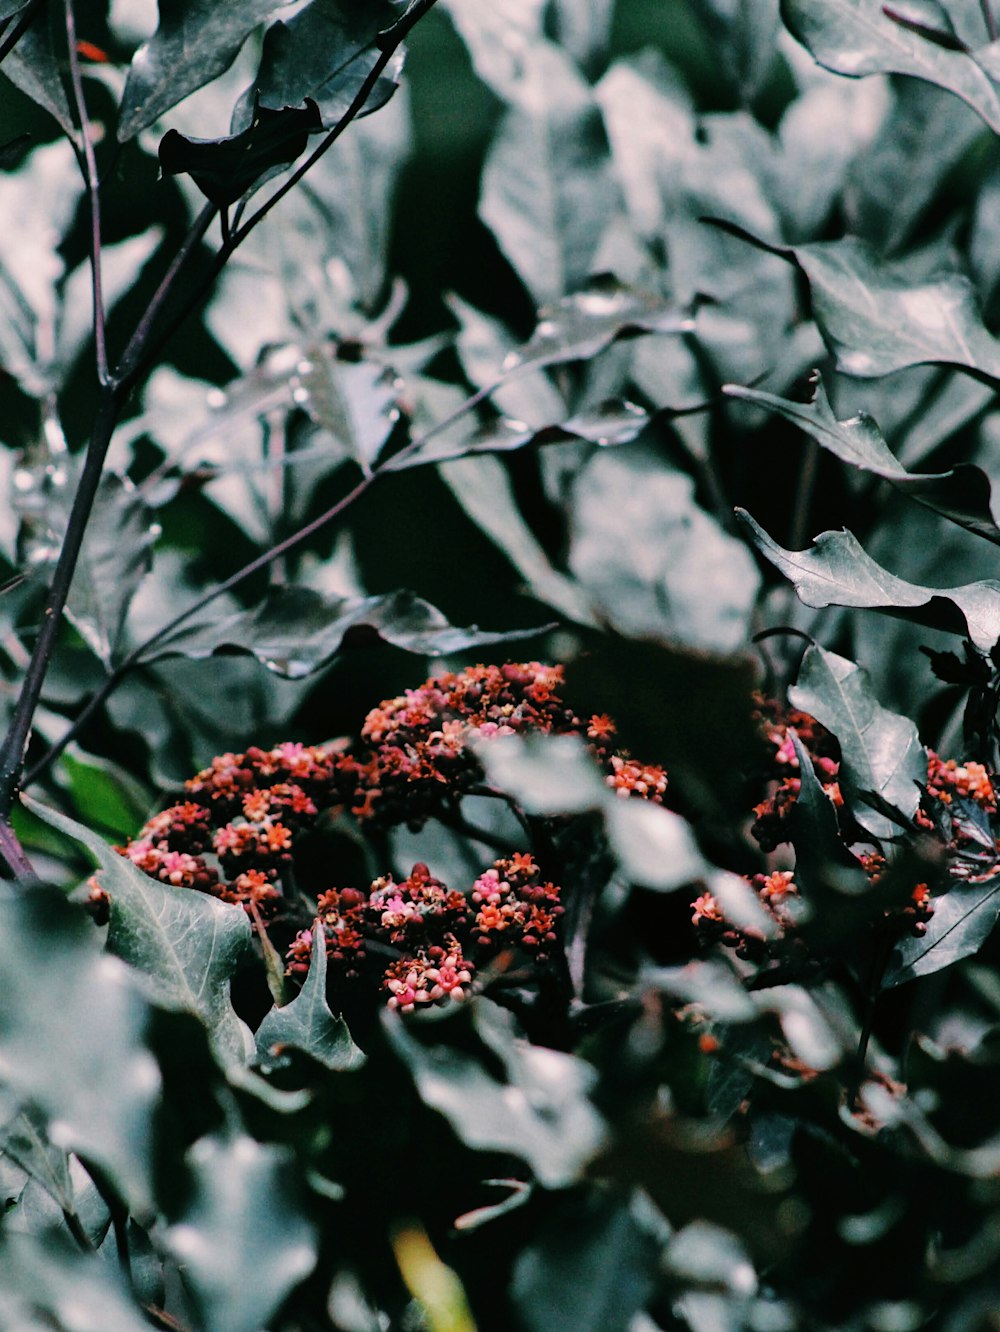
{"points": [[233, 836], [416, 746], [957, 804], [437, 936], [236, 832]]}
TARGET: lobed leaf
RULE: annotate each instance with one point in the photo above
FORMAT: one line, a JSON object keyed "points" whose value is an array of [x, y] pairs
{"points": [[538, 1111], [225, 169], [296, 630], [325, 53], [72, 1029], [880, 316], [962, 494], [184, 946], [857, 37], [837, 571], [195, 41], [243, 1240], [308, 1024], [881, 751]]}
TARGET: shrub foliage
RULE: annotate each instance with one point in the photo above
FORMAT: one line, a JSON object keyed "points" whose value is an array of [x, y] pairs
{"points": [[637, 969]]}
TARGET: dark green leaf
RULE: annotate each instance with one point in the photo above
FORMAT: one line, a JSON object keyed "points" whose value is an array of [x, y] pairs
{"points": [[113, 562], [307, 1024], [45, 1281], [962, 494], [243, 1241], [879, 317], [352, 401], [855, 37], [224, 169], [836, 571], [928, 19], [613, 422], [964, 917], [195, 41], [539, 1112], [295, 630], [34, 66], [24, 1139], [325, 53], [591, 1270], [183, 945], [71, 1039], [652, 561], [881, 750], [547, 192], [579, 326]]}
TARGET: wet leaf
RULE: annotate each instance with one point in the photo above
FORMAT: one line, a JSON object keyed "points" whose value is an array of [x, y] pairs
{"points": [[579, 326], [353, 402], [308, 1024], [881, 750], [195, 41], [836, 571], [964, 917], [962, 494], [612, 423], [115, 557], [243, 1240], [296, 630], [224, 169], [182, 945], [855, 37]]}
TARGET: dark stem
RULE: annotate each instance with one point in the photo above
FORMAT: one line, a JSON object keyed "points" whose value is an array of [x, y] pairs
{"points": [[75, 1228], [12, 38], [13, 853], [12, 750], [798, 533], [390, 42], [458, 824], [991, 23], [88, 165]]}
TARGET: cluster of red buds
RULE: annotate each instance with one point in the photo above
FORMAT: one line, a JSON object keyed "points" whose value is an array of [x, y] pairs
{"points": [[416, 747], [436, 937], [777, 723], [235, 833], [957, 803]]}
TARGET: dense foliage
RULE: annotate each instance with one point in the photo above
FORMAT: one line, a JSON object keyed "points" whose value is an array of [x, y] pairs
{"points": [[628, 963]]}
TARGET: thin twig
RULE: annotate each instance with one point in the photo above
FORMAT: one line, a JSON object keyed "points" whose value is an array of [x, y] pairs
{"points": [[14, 853], [139, 653], [12, 750], [88, 165]]}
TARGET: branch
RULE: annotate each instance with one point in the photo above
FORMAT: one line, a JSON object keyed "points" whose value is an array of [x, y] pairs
{"points": [[12, 750], [88, 166], [13, 853], [234, 235], [135, 657]]}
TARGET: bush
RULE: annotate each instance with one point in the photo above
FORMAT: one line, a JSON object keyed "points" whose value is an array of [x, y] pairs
{"points": [[626, 963]]}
